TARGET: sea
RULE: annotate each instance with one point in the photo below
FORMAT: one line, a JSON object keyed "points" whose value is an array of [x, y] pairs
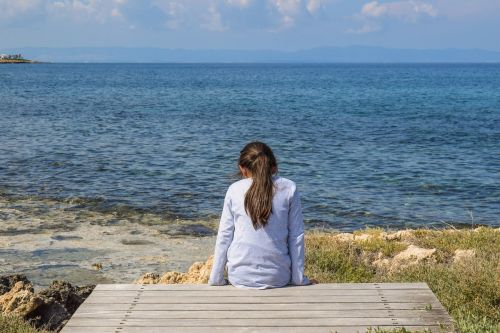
{"points": [[368, 145]]}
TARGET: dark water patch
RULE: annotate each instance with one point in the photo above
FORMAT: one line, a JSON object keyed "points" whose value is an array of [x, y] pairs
{"points": [[65, 237], [21, 231], [136, 242], [64, 254], [197, 230]]}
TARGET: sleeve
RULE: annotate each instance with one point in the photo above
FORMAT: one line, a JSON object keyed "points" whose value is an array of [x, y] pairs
{"points": [[296, 240], [224, 239]]}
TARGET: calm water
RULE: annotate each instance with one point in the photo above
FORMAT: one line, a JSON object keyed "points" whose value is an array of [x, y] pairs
{"points": [[388, 145]]}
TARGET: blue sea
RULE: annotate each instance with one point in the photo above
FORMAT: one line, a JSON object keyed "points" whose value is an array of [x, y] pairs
{"points": [[389, 145]]}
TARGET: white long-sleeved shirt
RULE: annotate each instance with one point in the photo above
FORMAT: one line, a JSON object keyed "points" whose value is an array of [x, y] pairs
{"points": [[269, 257]]}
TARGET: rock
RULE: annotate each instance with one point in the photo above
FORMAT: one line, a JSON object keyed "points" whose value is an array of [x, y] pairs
{"points": [[398, 235], [362, 237], [60, 301], [8, 281], [97, 266], [20, 300], [148, 278], [48, 309], [412, 255], [198, 273], [66, 294], [382, 263], [344, 237], [463, 255]]}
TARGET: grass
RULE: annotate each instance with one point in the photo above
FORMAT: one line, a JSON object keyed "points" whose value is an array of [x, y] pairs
{"points": [[12, 324], [468, 289]]}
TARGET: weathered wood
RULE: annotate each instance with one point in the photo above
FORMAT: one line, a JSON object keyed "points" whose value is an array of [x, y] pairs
{"points": [[257, 299], [321, 286], [273, 329], [213, 314], [344, 307], [263, 293], [262, 306], [250, 322]]}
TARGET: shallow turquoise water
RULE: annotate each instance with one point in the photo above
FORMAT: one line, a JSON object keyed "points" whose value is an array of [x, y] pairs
{"points": [[390, 145]]}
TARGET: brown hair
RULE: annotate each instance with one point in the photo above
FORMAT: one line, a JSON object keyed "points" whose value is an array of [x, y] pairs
{"points": [[259, 159]]}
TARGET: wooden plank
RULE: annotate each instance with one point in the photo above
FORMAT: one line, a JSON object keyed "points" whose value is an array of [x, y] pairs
{"points": [[320, 286], [251, 306], [202, 308], [211, 314], [250, 322], [273, 329], [263, 293], [256, 299]]}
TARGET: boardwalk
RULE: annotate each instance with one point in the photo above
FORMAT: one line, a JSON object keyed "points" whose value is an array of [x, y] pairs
{"points": [[341, 307]]}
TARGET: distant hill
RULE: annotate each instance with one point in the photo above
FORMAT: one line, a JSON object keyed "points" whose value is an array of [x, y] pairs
{"points": [[352, 54]]}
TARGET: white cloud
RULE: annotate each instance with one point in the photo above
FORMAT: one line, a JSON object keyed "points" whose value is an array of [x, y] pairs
{"points": [[9, 8], [373, 13], [407, 10], [212, 15]]}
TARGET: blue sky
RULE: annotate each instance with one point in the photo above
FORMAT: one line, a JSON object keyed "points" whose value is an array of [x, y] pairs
{"points": [[250, 24]]}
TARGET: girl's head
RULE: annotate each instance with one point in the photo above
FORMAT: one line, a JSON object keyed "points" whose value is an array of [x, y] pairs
{"points": [[258, 162]]}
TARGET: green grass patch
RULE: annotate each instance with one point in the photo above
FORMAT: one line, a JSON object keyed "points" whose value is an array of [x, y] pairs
{"points": [[12, 324], [388, 248]]}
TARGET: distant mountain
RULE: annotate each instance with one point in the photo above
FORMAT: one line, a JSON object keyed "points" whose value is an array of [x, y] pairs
{"points": [[352, 54]]}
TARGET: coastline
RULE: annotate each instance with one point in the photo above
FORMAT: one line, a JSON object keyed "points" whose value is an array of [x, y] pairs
{"points": [[459, 265], [18, 61]]}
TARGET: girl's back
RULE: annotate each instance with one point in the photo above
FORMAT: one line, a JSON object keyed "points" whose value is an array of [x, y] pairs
{"points": [[266, 257]]}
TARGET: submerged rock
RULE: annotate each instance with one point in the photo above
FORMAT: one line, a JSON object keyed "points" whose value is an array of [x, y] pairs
{"points": [[198, 273], [148, 278], [197, 230], [49, 308]]}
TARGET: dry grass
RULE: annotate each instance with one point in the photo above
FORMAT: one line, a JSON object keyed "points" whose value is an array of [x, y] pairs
{"points": [[468, 289], [11, 324]]}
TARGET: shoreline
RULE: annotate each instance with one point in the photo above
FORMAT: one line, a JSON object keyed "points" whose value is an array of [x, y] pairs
{"points": [[51, 239], [457, 264]]}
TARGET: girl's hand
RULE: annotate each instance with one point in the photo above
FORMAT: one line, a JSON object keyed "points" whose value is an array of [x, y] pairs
{"points": [[313, 281]]}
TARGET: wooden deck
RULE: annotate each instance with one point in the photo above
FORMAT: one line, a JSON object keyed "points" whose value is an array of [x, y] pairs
{"points": [[336, 307]]}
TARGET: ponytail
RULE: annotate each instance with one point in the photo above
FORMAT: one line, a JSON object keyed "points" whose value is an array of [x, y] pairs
{"points": [[259, 159]]}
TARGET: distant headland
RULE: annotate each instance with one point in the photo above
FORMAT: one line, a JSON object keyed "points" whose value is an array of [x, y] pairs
{"points": [[14, 59]]}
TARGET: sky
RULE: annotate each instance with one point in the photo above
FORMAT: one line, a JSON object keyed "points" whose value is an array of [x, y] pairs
{"points": [[250, 24]]}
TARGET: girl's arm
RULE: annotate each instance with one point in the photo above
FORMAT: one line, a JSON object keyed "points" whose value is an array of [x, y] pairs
{"points": [[296, 240], [224, 239]]}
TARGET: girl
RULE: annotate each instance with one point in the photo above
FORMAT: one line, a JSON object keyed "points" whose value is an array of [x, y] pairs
{"points": [[261, 230]]}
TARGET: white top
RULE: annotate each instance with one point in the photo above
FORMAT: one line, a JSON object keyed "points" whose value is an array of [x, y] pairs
{"points": [[269, 257]]}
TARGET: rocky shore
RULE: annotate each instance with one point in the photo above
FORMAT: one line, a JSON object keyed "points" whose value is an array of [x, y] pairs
{"points": [[49, 308], [459, 265]]}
